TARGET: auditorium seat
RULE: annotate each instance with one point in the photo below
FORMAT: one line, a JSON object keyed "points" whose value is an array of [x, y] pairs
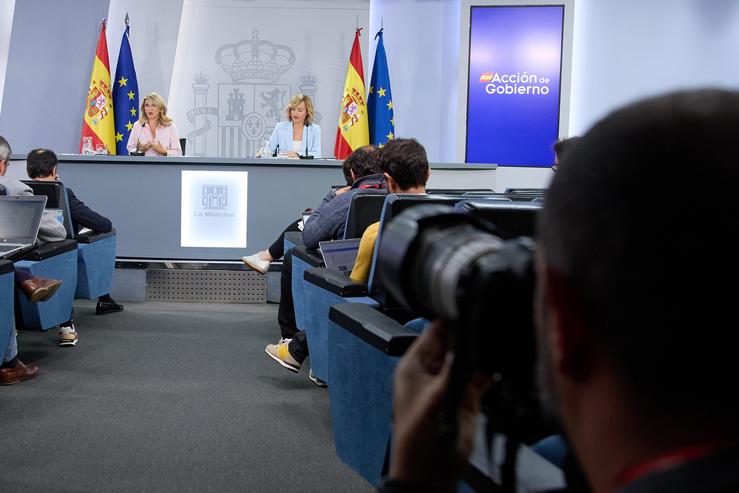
{"points": [[96, 251], [361, 384], [56, 260], [362, 211], [511, 218], [7, 320], [460, 191], [323, 288]]}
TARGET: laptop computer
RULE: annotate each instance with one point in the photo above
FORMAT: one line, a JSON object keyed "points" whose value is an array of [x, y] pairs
{"points": [[340, 255], [20, 219]]}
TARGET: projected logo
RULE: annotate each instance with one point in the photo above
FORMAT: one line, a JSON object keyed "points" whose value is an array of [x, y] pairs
{"points": [[215, 197], [520, 83], [214, 209]]}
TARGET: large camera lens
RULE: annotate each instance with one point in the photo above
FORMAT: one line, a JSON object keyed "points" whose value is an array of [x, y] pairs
{"points": [[425, 252]]}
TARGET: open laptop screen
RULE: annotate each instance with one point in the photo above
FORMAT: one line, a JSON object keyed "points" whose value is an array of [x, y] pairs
{"points": [[20, 218]]}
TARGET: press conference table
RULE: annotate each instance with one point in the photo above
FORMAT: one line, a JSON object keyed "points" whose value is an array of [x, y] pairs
{"points": [[143, 196]]}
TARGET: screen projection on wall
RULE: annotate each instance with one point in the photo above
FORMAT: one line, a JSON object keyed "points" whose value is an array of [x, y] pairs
{"points": [[213, 213], [514, 79]]}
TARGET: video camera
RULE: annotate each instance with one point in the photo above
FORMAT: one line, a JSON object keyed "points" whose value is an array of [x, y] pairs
{"points": [[445, 264]]}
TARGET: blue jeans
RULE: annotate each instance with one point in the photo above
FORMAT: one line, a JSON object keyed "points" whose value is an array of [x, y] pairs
{"points": [[12, 350]]}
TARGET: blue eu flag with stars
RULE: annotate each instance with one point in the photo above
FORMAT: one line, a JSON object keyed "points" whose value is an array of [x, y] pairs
{"points": [[125, 96], [380, 100]]}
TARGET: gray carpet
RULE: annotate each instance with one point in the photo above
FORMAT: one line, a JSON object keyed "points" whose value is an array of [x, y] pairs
{"points": [[167, 397]]}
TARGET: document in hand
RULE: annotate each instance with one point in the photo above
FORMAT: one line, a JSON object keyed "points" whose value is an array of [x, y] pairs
{"points": [[340, 255]]}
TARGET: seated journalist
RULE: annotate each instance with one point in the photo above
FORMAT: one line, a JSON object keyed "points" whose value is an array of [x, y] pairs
{"points": [[632, 309], [13, 370], [42, 165], [155, 133], [261, 260], [406, 170], [326, 223], [298, 135]]}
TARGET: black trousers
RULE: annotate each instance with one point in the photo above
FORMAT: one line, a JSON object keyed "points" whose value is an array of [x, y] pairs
{"points": [[277, 249], [286, 312], [298, 347]]}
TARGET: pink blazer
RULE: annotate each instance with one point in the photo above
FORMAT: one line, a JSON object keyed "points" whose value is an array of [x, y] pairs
{"points": [[167, 136]]}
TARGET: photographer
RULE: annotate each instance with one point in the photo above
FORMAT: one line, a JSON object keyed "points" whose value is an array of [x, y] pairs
{"points": [[631, 310]]}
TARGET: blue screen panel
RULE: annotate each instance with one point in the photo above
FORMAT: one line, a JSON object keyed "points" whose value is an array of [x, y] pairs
{"points": [[513, 92]]}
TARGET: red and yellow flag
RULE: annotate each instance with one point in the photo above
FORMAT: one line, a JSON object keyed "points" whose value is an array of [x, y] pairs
{"points": [[98, 127], [353, 131]]}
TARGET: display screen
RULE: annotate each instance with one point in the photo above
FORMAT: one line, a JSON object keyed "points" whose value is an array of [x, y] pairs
{"points": [[213, 210], [513, 92]]}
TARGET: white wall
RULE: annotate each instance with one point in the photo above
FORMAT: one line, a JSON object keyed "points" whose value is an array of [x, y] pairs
{"points": [[153, 35], [629, 49], [6, 27], [422, 45], [312, 41]]}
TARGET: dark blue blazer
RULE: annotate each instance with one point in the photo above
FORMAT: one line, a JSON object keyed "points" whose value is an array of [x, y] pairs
{"points": [[84, 217]]}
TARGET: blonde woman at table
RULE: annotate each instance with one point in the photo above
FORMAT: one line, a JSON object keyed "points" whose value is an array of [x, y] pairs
{"points": [[298, 136], [154, 134]]}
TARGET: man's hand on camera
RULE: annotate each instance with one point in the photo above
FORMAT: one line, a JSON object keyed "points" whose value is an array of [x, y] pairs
{"points": [[421, 456]]}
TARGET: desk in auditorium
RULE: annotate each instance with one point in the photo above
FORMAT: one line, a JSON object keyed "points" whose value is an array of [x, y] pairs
{"points": [[142, 196]]}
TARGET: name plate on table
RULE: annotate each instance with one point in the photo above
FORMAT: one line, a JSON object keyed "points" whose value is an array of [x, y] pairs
{"points": [[213, 212]]}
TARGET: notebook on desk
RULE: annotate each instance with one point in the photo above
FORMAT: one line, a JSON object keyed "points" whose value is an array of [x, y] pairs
{"points": [[340, 255], [20, 218]]}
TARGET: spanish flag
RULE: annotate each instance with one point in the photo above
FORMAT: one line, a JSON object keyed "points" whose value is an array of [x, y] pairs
{"points": [[353, 131], [98, 127]]}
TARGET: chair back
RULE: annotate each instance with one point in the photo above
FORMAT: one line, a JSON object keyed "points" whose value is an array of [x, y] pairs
{"points": [[512, 219], [364, 210], [460, 191], [56, 198], [525, 194]]}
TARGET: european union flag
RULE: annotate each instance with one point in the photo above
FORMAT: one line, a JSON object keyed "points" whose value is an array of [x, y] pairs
{"points": [[125, 96], [380, 100]]}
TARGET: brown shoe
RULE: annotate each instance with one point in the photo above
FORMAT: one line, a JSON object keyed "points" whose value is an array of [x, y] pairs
{"points": [[40, 288], [9, 376]]}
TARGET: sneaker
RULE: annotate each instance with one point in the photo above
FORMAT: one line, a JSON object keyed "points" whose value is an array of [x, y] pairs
{"points": [[316, 380], [279, 353], [67, 335], [285, 340], [105, 307], [256, 263]]}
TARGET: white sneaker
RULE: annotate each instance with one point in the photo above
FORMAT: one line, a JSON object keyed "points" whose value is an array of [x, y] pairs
{"points": [[256, 263], [316, 380], [68, 335], [285, 340]]}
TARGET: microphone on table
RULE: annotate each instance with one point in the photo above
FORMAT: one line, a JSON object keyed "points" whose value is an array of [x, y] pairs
{"points": [[305, 156]]}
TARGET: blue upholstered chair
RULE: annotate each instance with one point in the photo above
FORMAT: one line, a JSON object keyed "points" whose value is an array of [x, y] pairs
{"points": [[512, 218], [57, 260], [361, 384], [364, 209], [96, 251], [7, 320]]}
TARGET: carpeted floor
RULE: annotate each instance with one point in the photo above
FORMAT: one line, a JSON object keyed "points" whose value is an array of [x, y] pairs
{"points": [[167, 397]]}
